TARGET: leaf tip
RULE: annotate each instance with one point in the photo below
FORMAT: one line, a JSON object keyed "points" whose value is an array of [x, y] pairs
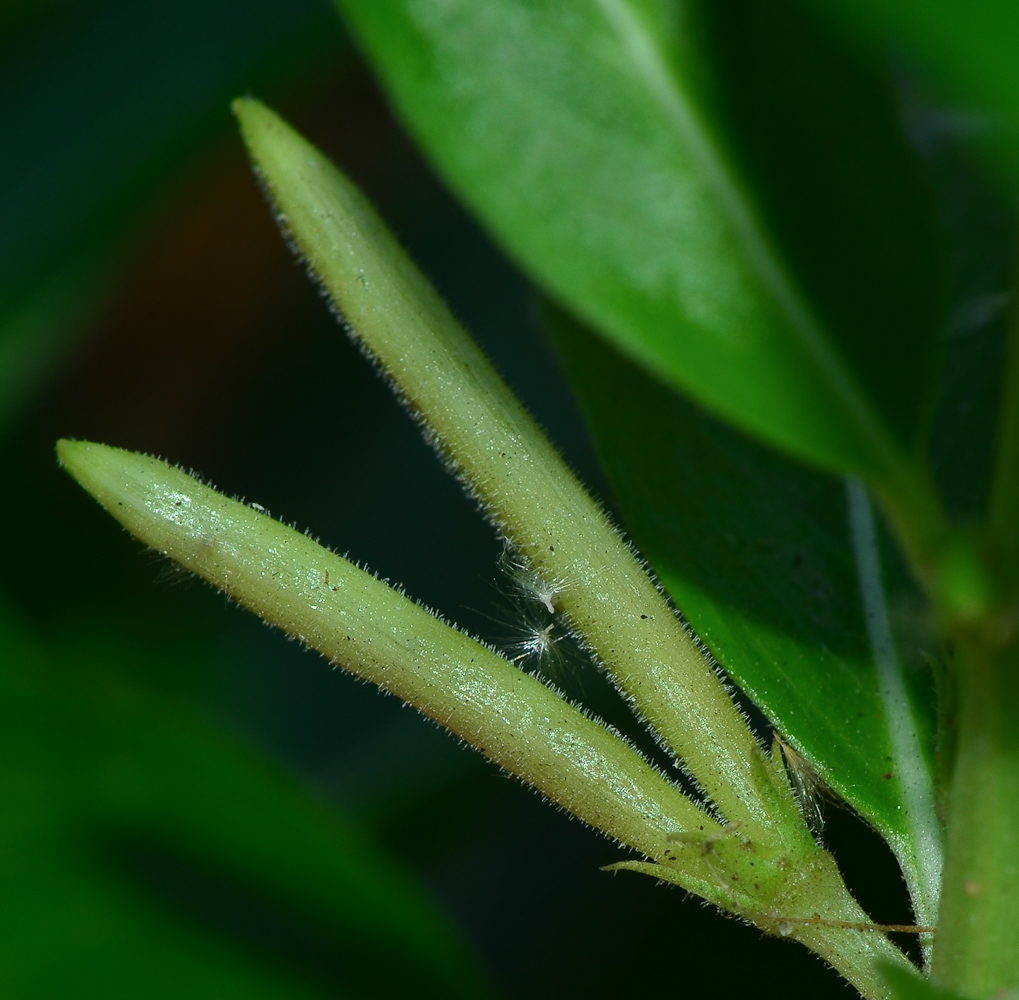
{"points": [[256, 121], [101, 470], [72, 454], [249, 112]]}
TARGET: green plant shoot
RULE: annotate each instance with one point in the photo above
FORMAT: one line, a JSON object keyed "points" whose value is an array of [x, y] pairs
{"points": [[746, 847]]}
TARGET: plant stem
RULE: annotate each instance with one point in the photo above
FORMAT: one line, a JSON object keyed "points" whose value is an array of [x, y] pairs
{"points": [[1004, 504], [977, 948], [509, 465]]}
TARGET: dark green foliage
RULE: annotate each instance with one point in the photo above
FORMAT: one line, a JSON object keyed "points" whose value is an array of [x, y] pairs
{"points": [[756, 550], [683, 200]]}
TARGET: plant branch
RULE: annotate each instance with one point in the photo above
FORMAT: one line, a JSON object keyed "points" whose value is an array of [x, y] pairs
{"points": [[977, 949], [363, 625]]}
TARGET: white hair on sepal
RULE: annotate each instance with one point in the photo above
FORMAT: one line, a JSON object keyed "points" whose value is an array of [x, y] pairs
{"points": [[530, 585], [535, 635], [531, 636], [808, 786], [540, 645]]}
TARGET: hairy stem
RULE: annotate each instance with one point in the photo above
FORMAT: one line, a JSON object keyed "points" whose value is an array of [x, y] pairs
{"points": [[977, 949]]}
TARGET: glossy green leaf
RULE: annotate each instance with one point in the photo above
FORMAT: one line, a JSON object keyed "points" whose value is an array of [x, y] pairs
{"points": [[817, 131], [758, 553], [585, 135], [910, 986], [142, 851]]}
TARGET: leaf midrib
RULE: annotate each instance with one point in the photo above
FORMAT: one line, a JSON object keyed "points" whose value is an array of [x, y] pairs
{"points": [[665, 90], [914, 776]]}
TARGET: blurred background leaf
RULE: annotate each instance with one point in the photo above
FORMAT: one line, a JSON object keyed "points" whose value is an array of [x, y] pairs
{"points": [[100, 102], [815, 126], [136, 837], [970, 48], [958, 95]]}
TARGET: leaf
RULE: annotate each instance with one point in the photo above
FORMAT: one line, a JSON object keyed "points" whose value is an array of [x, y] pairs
{"points": [[37, 328], [817, 131], [910, 986], [757, 553], [141, 846], [99, 113], [981, 223], [973, 47], [581, 134]]}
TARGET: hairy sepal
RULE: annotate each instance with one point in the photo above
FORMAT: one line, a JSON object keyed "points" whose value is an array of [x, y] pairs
{"points": [[365, 626], [555, 528]]}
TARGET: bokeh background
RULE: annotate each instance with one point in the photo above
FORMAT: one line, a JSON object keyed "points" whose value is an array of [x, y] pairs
{"points": [[188, 802]]}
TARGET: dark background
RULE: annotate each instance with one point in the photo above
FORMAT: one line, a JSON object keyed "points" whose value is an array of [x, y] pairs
{"points": [[180, 325]]}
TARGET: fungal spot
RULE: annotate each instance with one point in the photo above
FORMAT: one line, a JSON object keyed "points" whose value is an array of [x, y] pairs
{"points": [[973, 889]]}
